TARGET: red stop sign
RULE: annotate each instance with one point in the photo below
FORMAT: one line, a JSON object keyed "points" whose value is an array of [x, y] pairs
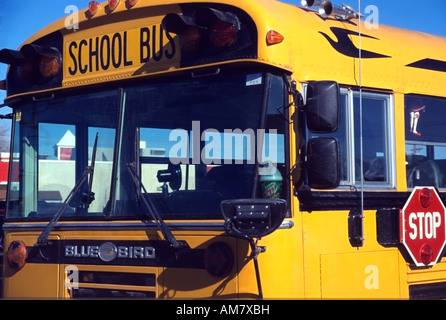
{"points": [[423, 226]]}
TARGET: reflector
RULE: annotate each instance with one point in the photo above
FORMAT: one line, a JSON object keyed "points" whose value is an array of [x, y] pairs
{"points": [[273, 37]]}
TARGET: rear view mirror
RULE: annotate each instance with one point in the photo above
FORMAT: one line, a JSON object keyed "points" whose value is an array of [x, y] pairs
{"points": [[172, 175], [322, 106], [253, 218], [323, 164]]}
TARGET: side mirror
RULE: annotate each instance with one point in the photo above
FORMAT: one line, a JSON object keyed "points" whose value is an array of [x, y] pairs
{"points": [[322, 106], [253, 218], [323, 164]]}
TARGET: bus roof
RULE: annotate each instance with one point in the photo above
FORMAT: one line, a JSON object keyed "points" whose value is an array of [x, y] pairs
{"points": [[313, 48]]}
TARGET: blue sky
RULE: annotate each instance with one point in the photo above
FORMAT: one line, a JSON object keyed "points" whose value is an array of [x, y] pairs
{"points": [[20, 19]]}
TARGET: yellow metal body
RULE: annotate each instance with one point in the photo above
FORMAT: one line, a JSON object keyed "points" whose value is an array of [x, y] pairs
{"points": [[314, 258]]}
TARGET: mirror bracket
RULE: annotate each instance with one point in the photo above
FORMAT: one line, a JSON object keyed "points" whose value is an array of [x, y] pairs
{"points": [[298, 100]]}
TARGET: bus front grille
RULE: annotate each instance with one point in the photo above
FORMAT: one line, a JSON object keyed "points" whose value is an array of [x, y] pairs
{"points": [[108, 284]]}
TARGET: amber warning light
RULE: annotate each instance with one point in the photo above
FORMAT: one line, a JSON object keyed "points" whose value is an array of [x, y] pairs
{"points": [[16, 254]]}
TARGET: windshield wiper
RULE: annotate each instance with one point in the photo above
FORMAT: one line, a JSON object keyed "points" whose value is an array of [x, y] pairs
{"points": [[134, 173], [151, 208], [87, 198]]}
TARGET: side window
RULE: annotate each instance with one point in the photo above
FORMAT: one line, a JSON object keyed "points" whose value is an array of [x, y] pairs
{"points": [[376, 137], [366, 120], [425, 141]]}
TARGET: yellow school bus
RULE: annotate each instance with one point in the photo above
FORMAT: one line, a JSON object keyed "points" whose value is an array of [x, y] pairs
{"points": [[225, 149]]}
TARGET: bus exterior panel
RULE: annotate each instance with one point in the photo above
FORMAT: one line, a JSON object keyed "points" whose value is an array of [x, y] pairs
{"points": [[221, 149]]}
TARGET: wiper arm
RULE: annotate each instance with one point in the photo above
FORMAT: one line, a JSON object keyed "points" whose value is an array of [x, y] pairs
{"points": [[86, 199], [151, 208], [89, 196]]}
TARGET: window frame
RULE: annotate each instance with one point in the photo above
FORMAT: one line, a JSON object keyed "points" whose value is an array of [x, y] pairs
{"points": [[389, 140], [422, 141]]}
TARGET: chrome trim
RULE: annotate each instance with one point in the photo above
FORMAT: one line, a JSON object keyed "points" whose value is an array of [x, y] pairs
{"points": [[202, 226], [286, 224], [326, 9], [117, 226]]}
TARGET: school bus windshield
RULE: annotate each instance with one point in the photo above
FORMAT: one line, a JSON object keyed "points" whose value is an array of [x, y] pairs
{"points": [[181, 146]]}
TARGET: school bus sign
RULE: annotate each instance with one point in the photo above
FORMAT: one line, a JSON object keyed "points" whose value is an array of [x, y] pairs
{"points": [[423, 226], [119, 54]]}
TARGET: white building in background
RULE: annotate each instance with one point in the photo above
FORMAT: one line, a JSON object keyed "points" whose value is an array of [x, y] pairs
{"points": [[65, 146]]}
